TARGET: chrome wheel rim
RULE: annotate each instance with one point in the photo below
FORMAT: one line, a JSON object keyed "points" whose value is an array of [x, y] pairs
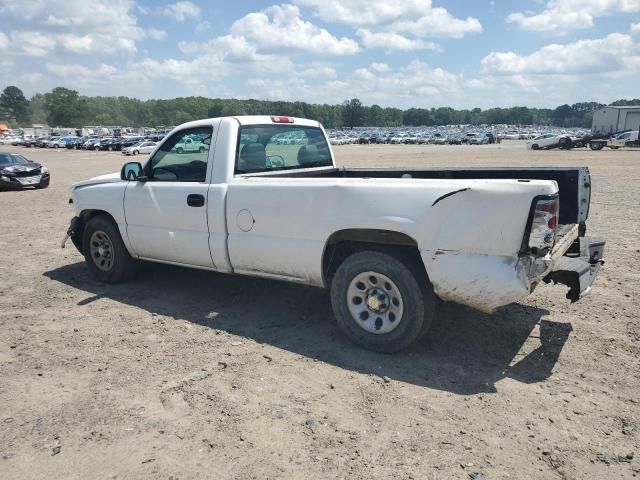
{"points": [[375, 302], [101, 250]]}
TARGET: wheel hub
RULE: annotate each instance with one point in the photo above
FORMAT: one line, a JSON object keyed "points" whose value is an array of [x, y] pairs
{"points": [[100, 248], [377, 300]]}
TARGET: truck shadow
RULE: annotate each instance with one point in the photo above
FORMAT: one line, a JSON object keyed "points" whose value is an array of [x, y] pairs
{"points": [[466, 352]]}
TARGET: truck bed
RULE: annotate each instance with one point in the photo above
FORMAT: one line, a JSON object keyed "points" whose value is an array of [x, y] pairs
{"points": [[574, 183]]}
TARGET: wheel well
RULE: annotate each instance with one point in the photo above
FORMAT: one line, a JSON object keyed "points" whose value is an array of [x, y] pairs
{"points": [[86, 215], [344, 243]]}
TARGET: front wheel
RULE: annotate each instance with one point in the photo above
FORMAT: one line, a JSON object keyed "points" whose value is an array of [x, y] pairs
{"points": [[535, 146], [380, 303], [180, 150], [105, 252], [135, 152]]}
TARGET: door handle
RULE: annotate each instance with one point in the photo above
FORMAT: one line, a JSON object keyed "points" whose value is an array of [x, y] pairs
{"points": [[195, 200]]}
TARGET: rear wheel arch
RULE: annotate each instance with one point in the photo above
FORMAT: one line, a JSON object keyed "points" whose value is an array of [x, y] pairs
{"points": [[344, 243]]}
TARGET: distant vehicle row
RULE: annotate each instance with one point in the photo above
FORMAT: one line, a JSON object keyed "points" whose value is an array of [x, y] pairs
{"points": [[471, 138], [132, 145]]}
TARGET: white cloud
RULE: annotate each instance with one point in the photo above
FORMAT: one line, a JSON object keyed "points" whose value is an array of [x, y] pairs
{"points": [[635, 28], [417, 83], [4, 41], [317, 71], [156, 33], [280, 26], [275, 29], [393, 41], [562, 16], [614, 53], [182, 11], [380, 67], [76, 26], [418, 17], [34, 44]]}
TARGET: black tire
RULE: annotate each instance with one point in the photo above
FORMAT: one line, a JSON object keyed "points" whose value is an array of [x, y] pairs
{"points": [[180, 150], [535, 146], [135, 152], [414, 288], [564, 142], [596, 145], [201, 150], [122, 266]]}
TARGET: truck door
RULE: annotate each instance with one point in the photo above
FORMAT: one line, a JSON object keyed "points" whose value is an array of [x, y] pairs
{"points": [[167, 214]]}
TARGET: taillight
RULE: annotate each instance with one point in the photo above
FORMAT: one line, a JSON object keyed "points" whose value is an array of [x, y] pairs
{"points": [[282, 119], [544, 223]]}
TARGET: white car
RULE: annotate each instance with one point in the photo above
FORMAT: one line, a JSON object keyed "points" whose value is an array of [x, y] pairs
{"points": [[138, 148], [547, 140], [623, 139], [385, 242]]}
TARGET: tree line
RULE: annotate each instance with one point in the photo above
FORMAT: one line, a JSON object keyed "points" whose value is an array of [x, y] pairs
{"points": [[63, 107]]}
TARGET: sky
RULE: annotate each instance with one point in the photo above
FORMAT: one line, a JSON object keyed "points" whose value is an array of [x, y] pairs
{"points": [[399, 53]]}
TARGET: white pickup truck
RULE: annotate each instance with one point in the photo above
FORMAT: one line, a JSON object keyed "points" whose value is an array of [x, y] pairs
{"points": [[386, 242]]}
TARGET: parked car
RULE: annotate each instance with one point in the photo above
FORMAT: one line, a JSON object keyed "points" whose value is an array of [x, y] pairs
{"points": [[479, 139], [479, 237], [16, 172], [142, 147], [548, 140], [194, 144], [623, 139], [90, 143]]}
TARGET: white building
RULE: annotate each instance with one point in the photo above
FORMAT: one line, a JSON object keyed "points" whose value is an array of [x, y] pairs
{"points": [[615, 119]]}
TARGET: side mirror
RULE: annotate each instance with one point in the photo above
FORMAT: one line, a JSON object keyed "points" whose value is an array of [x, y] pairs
{"points": [[131, 171]]}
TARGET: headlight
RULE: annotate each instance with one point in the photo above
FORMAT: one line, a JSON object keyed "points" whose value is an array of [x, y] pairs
{"points": [[44, 170], [5, 178]]}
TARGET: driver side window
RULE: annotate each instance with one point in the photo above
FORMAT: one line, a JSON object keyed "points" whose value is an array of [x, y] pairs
{"points": [[183, 157]]}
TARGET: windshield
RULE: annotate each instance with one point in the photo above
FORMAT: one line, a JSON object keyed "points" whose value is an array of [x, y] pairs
{"points": [[12, 159], [263, 148]]}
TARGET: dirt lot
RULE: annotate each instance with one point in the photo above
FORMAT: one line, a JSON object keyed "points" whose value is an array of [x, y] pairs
{"points": [[190, 374]]}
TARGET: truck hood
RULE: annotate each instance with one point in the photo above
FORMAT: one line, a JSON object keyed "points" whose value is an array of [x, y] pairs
{"points": [[108, 178]]}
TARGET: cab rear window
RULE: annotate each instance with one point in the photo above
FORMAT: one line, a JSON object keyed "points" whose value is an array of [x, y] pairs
{"points": [[263, 148]]}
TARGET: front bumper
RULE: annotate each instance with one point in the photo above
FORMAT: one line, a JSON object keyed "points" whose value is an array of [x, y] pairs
{"points": [[18, 183], [74, 232], [579, 271]]}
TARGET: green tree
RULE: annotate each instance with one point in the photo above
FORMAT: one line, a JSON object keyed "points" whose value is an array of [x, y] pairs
{"points": [[63, 107], [15, 105], [353, 113], [104, 119], [38, 114]]}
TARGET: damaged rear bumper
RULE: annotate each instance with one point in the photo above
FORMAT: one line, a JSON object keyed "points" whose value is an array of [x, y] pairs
{"points": [[579, 271], [486, 282]]}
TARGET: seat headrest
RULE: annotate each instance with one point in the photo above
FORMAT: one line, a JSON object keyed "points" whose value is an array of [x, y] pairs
{"points": [[252, 157], [308, 154]]}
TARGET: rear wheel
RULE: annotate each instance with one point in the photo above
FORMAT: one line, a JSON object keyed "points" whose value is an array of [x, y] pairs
{"points": [[105, 252], [135, 152], [180, 150], [596, 145], [380, 303]]}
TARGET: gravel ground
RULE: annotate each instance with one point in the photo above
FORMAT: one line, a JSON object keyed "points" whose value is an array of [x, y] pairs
{"points": [[190, 374]]}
